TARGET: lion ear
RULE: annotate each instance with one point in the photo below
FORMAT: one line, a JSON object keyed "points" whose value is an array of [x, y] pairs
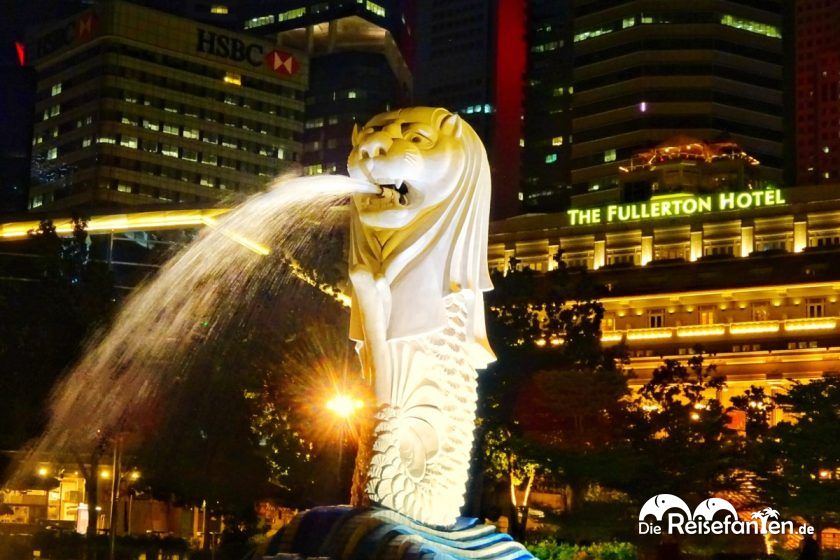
{"points": [[355, 137], [451, 126]]}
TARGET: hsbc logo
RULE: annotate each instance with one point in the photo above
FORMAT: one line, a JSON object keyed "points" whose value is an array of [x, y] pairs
{"points": [[282, 63], [79, 31], [237, 50]]}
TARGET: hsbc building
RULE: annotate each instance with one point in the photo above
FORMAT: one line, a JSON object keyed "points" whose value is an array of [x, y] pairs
{"points": [[139, 107]]}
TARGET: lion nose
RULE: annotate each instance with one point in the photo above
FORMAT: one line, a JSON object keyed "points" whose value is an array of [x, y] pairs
{"points": [[376, 145]]}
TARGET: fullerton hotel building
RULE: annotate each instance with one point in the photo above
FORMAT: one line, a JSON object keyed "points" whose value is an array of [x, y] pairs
{"points": [[699, 253]]}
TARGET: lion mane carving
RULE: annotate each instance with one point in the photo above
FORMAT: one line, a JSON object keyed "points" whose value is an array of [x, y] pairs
{"points": [[418, 268]]}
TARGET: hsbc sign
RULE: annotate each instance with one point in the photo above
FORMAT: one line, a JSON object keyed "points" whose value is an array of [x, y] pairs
{"points": [[78, 31], [237, 50]]}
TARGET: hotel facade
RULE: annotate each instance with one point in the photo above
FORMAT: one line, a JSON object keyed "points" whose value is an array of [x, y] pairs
{"points": [[139, 107], [750, 278]]}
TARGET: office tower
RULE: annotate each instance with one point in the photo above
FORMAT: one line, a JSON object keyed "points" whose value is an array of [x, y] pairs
{"points": [[136, 106], [817, 91], [645, 72], [357, 67]]}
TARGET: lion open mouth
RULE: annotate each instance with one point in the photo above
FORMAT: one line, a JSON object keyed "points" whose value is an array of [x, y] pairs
{"points": [[393, 193]]}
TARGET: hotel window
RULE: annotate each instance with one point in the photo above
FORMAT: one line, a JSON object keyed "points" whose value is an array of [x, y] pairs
{"points": [[189, 155], [826, 239], [129, 120], [86, 142], [52, 153], [122, 187], [609, 155], [151, 125], [170, 107], [128, 142], [191, 133], [773, 244], [815, 308], [150, 146], [106, 140], [761, 311], [557, 141], [56, 89], [622, 258], [707, 314], [720, 250], [55, 110], [656, 318], [220, 9], [210, 137], [551, 158], [608, 323], [209, 159], [170, 129]]}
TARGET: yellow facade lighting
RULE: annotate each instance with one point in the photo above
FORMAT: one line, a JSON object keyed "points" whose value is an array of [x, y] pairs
{"points": [[823, 324], [756, 327], [649, 334], [701, 331], [611, 337], [540, 342]]}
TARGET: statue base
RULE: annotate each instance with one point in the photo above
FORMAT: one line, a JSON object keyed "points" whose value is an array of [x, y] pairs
{"points": [[346, 533]]}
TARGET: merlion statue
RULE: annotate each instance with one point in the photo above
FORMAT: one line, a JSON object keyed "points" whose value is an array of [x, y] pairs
{"points": [[418, 267]]}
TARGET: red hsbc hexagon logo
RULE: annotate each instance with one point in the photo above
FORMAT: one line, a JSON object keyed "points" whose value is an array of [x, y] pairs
{"points": [[283, 63]]}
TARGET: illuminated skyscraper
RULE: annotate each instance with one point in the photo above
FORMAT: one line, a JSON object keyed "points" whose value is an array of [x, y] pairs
{"points": [[357, 66], [136, 106], [643, 72], [817, 87]]}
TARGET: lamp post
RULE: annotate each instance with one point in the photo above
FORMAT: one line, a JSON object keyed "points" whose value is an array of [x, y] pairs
{"points": [[344, 407]]}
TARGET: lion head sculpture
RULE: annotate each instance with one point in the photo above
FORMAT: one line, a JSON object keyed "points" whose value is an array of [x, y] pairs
{"points": [[425, 234]]}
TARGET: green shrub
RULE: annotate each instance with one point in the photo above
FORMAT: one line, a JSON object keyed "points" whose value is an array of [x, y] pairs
{"points": [[550, 549]]}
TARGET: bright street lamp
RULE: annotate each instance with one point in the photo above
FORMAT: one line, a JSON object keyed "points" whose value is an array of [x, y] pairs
{"points": [[344, 406]]}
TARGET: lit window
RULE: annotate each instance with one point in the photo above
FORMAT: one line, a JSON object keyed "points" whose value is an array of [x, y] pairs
{"points": [[151, 125], [56, 89], [122, 187], [592, 33], [551, 158], [208, 182], [55, 110], [351, 94], [218, 9], [189, 155], [169, 150], [291, 14], [557, 141], [314, 123], [37, 201], [128, 142], [259, 21], [609, 155], [106, 140], [628, 22], [86, 142], [52, 153], [316, 169], [209, 159], [707, 315], [233, 78], [558, 91], [191, 133], [128, 120], [751, 25], [170, 129], [521, 142], [375, 8]]}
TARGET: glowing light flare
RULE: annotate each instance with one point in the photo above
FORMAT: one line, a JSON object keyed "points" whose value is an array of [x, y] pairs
{"points": [[794, 325], [43, 471], [344, 406]]}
